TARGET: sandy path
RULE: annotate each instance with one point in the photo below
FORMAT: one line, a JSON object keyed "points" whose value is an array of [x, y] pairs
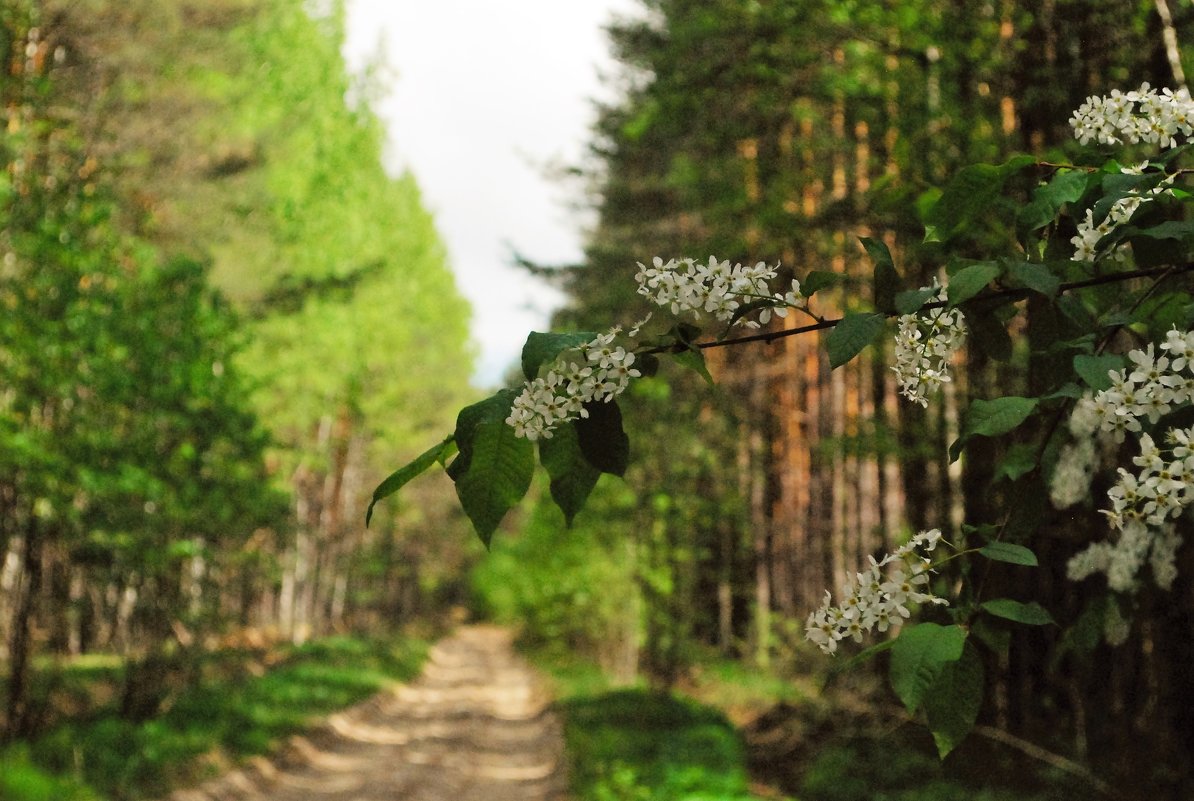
{"points": [[475, 726]]}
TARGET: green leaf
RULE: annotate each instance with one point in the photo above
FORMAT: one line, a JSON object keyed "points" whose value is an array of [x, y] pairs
{"points": [[494, 467], [1095, 370], [851, 335], [1028, 512], [1067, 186], [601, 438], [1032, 614], [910, 300], [498, 476], [495, 408], [817, 280], [396, 480], [1068, 390], [572, 477], [997, 638], [1019, 460], [1119, 185], [1034, 276], [969, 281], [647, 364], [887, 280], [1010, 553], [918, 657], [953, 703], [970, 193], [543, 348], [988, 333], [694, 359], [1172, 229], [991, 418]]}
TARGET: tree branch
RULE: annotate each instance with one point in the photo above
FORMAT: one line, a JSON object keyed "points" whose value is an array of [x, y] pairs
{"points": [[1003, 294]]}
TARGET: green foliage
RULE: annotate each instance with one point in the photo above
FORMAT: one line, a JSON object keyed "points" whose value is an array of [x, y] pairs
{"points": [[601, 439], [232, 713], [957, 695], [887, 280], [570, 590], [396, 480], [918, 658], [969, 281], [1032, 614], [1009, 552], [1094, 370], [851, 335], [494, 467], [894, 768], [991, 418], [573, 477], [21, 780], [972, 192], [634, 744], [542, 349]]}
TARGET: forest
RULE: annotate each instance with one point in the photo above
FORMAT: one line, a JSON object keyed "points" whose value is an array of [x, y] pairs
{"points": [[225, 325]]}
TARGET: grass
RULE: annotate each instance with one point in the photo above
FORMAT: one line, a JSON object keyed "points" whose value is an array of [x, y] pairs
{"points": [[237, 710], [635, 744], [648, 746], [800, 742]]}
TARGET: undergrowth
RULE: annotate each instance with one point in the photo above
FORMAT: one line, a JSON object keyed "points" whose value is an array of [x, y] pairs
{"points": [[239, 709]]}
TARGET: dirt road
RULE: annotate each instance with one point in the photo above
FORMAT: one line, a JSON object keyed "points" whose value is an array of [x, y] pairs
{"points": [[475, 726]]}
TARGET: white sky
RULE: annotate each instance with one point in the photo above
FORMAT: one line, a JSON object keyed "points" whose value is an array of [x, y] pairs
{"points": [[485, 96]]}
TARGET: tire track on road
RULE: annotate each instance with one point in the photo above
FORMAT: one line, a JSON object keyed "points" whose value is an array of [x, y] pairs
{"points": [[475, 726]]}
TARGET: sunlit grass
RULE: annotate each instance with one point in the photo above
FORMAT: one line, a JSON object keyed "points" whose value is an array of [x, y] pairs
{"points": [[635, 744], [232, 714], [638, 744]]}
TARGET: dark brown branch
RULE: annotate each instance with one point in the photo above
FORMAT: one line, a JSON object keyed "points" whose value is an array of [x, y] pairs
{"points": [[1003, 294]]}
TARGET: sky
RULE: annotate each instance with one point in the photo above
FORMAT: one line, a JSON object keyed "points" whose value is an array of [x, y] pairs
{"points": [[484, 99]]}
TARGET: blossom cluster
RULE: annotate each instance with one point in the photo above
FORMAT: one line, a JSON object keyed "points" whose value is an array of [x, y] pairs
{"points": [[716, 288], [1151, 386], [1122, 559], [877, 598], [1141, 116], [1143, 503], [598, 370], [924, 347], [1143, 506], [1089, 234]]}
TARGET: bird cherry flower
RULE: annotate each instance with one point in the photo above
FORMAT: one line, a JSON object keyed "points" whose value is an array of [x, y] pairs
{"points": [[924, 347], [877, 598]]}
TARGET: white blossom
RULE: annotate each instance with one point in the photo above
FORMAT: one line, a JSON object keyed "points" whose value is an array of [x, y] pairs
{"points": [[598, 370], [924, 347], [877, 598], [1090, 232], [1072, 475], [1142, 116], [716, 288]]}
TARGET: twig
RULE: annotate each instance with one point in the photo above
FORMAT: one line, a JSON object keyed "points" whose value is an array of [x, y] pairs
{"points": [[1048, 757], [771, 336]]}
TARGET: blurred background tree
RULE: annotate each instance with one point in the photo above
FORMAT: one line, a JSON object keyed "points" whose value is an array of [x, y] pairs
{"points": [[222, 320]]}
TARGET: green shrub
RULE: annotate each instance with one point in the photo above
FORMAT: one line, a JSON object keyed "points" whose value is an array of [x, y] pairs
{"points": [[21, 780], [636, 745]]}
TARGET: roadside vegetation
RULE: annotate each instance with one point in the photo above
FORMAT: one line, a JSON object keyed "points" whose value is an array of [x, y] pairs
{"points": [[240, 703]]}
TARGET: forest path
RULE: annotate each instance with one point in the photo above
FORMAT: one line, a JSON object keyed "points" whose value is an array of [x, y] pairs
{"points": [[475, 726]]}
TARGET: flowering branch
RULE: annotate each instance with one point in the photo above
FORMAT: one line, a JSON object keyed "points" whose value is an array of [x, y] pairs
{"points": [[1011, 293], [566, 412]]}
